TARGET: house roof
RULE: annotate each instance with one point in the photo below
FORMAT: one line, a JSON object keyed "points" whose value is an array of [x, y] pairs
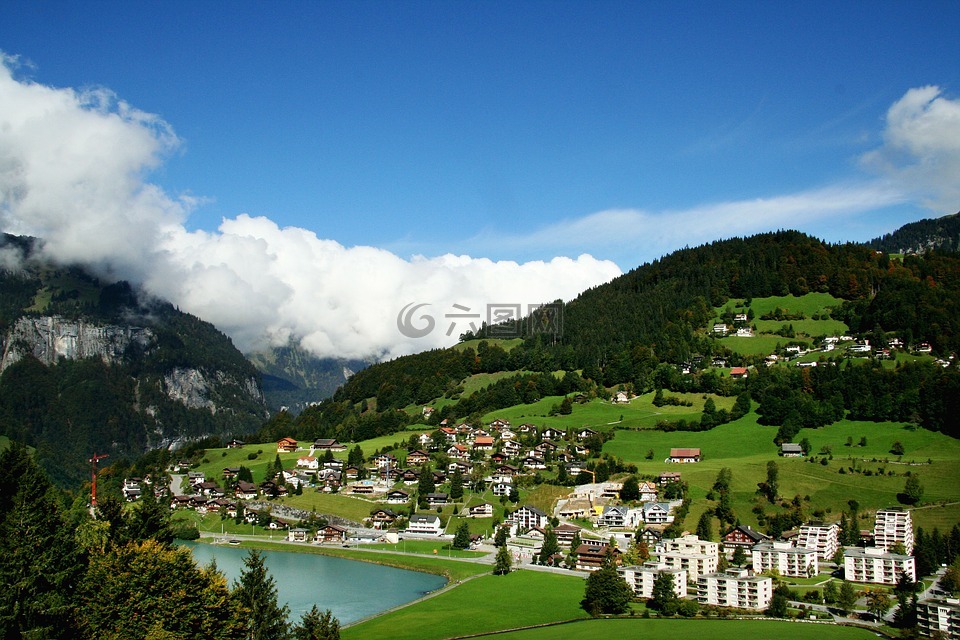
{"points": [[684, 453], [790, 447]]}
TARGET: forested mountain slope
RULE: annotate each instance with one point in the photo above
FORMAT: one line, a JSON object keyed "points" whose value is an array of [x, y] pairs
{"points": [[91, 366]]}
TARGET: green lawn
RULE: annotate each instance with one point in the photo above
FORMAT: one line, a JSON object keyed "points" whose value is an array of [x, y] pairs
{"points": [[746, 447], [603, 415], [439, 548], [682, 629], [487, 603]]}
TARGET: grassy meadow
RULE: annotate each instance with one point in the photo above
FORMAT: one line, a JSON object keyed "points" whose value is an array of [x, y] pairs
{"points": [[485, 604], [681, 629]]}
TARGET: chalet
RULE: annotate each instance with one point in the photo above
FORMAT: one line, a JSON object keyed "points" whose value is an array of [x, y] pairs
{"points": [[234, 444], [418, 457], [532, 462], [331, 534], [449, 433], [791, 450], [180, 502], [276, 524], [436, 499], [546, 447], [182, 466], [924, 347], [511, 447], [507, 471], [720, 329], [329, 476], [740, 317], [720, 363], [385, 460], [500, 489], [527, 428], [458, 451], [527, 517], [381, 518], [651, 536], [398, 496], [464, 467], [230, 472], [424, 524], [439, 477], [210, 489], [131, 489], [552, 434], [667, 477], [744, 332], [426, 412], [590, 557], [328, 444], [565, 533], [499, 423], [648, 491], [426, 440], [483, 443], [245, 490], [352, 473], [286, 445], [499, 457], [482, 510], [684, 455], [507, 435], [585, 433], [308, 462], [362, 489], [621, 397], [739, 373], [613, 516], [742, 536], [656, 513], [195, 478], [298, 534]]}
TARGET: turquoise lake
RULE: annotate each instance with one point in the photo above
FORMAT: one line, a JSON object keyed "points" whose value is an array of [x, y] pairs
{"points": [[352, 590]]}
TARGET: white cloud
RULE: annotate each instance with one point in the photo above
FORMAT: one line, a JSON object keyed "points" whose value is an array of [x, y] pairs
{"points": [[73, 169], [640, 235], [921, 149]]}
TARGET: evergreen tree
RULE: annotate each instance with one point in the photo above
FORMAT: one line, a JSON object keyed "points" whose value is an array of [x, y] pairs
{"points": [[705, 526], [500, 539], [39, 561], [502, 565], [662, 593], [255, 595], [355, 457], [425, 485], [847, 596], [575, 542], [317, 626], [830, 592], [878, 602], [149, 519], [739, 556], [630, 490], [606, 591], [550, 547], [456, 484], [461, 540], [779, 602]]}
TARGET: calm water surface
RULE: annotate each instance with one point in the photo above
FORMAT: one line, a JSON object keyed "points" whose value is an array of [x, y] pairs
{"points": [[350, 589]]}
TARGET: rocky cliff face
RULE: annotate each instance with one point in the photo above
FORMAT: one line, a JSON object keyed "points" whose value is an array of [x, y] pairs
{"points": [[50, 338]]}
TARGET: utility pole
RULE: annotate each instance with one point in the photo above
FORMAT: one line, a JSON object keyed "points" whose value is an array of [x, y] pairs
{"points": [[93, 493]]}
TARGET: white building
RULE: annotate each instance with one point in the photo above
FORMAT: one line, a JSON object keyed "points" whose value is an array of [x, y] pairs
{"points": [[939, 616], [875, 565], [690, 553], [641, 578], [736, 588], [822, 537], [786, 559], [527, 517], [893, 525], [425, 524]]}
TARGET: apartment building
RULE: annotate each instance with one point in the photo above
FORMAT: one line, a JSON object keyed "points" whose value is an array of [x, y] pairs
{"points": [[735, 588], [786, 559], [939, 616], [691, 554], [641, 578], [891, 526], [822, 537], [876, 565]]}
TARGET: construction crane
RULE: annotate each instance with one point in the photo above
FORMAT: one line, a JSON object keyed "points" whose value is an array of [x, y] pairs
{"points": [[93, 494]]}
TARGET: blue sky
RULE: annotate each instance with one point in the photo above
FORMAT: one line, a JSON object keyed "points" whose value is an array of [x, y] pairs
{"points": [[524, 131]]}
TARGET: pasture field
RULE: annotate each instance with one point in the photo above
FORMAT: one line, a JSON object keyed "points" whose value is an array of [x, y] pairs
{"points": [[485, 604], [682, 629]]}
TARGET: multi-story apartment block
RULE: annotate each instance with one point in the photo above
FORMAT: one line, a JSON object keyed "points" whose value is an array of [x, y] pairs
{"points": [[939, 616], [822, 537], [642, 578], [786, 559], [874, 564], [690, 553], [893, 525], [735, 588]]}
